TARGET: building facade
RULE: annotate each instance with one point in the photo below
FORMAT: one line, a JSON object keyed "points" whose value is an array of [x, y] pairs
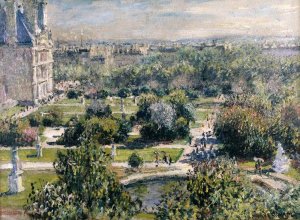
{"points": [[26, 61]]}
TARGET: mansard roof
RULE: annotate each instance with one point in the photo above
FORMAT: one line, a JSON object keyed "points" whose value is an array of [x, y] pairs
{"points": [[24, 32], [2, 25]]}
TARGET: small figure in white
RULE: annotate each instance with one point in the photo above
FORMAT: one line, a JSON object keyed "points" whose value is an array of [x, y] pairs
{"points": [[113, 152]]}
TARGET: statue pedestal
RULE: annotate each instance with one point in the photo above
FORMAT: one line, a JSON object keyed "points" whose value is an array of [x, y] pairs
{"points": [[15, 182]]}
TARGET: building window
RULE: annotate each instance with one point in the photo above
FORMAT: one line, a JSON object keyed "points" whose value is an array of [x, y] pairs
{"points": [[43, 56]]}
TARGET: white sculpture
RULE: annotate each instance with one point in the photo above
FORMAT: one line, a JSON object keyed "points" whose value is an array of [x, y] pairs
{"points": [[281, 162], [15, 177], [113, 152]]}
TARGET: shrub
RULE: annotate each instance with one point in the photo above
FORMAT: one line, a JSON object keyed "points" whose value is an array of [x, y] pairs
{"points": [[72, 94], [53, 117], [72, 134], [98, 109], [102, 94], [85, 189], [244, 132], [135, 161], [218, 190], [101, 130]]}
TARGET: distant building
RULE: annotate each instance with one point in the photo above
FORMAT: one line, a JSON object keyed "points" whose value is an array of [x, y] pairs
{"points": [[25, 51]]}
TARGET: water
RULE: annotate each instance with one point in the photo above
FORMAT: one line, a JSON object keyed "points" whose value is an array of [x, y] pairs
{"points": [[150, 192]]}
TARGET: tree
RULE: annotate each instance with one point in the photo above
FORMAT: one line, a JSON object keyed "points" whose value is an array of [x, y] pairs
{"points": [[72, 134], [101, 130], [135, 160], [102, 94], [123, 93], [145, 101], [72, 94], [85, 189], [178, 98], [99, 109], [219, 190], [53, 117], [163, 115], [244, 132]]}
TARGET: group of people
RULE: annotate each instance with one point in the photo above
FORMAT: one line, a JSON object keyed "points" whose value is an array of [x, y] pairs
{"points": [[201, 146], [166, 158]]}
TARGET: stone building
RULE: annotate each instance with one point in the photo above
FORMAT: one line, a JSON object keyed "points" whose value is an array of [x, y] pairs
{"points": [[25, 51]]}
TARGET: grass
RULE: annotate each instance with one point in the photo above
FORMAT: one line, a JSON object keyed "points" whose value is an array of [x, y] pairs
{"points": [[11, 111], [19, 200], [70, 109], [28, 155], [148, 154], [294, 173], [119, 116], [251, 164], [144, 216], [49, 155], [69, 101], [201, 115]]}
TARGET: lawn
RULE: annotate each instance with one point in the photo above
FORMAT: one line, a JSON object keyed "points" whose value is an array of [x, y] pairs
{"points": [[69, 101], [294, 173], [11, 111], [28, 155], [49, 155], [17, 201], [251, 164], [148, 154], [64, 108], [202, 115]]}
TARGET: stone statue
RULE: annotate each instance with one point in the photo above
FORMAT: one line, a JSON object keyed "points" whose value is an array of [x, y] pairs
{"points": [[113, 151], [15, 177], [38, 147], [281, 162]]}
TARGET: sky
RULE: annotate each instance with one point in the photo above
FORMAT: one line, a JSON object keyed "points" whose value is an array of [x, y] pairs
{"points": [[172, 19]]}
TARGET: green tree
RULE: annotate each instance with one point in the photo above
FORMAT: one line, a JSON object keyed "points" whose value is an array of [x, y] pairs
{"points": [[72, 94], [135, 160], [99, 109], [85, 189], [101, 130], [244, 132], [219, 190]]}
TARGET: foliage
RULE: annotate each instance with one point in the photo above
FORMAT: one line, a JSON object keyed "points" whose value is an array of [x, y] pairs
{"points": [[9, 133], [177, 98], [244, 132], [175, 204], [163, 115], [29, 135], [135, 160], [35, 119], [19, 133], [145, 101], [86, 189], [102, 94], [99, 109], [72, 94], [72, 135], [280, 121], [53, 117], [210, 71], [124, 93], [124, 128], [218, 190], [101, 130]]}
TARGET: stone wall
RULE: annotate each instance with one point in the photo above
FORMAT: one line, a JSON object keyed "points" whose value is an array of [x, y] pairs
{"points": [[16, 67]]}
